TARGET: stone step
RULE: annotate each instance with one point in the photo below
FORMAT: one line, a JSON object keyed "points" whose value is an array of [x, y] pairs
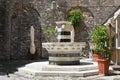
{"points": [[36, 73], [86, 68], [63, 68], [44, 66], [30, 72], [44, 69]]}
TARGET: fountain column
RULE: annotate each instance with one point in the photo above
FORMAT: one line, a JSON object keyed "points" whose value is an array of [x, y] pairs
{"points": [[65, 31]]}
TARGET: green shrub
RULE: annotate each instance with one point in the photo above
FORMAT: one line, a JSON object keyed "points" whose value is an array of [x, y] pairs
{"points": [[75, 16], [101, 37], [50, 33]]}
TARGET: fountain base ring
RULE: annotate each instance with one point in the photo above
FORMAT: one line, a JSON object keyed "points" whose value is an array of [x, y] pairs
{"points": [[64, 62], [64, 58]]}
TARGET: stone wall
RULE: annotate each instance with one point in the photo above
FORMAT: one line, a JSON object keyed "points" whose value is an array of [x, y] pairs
{"points": [[2, 28], [22, 18], [95, 13], [18, 16]]}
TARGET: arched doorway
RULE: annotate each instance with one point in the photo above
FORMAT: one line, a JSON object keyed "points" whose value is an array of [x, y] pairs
{"points": [[24, 15], [83, 32]]}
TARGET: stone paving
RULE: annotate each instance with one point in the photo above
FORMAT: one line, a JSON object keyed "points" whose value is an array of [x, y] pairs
{"points": [[8, 72], [97, 77]]}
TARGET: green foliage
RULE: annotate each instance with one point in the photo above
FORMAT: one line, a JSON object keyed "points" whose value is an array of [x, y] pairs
{"points": [[107, 53], [104, 50], [100, 36], [75, 16], [50, 32], [98, 49]]}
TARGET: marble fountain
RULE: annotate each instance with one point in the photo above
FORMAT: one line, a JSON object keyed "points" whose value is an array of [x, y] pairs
{"points": [[61, 53], [65, 51]]}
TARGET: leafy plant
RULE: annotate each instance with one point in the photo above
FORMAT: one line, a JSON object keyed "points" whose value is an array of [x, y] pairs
{"points": [[75, 16], [107, 53], [100, 37], [50, 32], [98, 49]]}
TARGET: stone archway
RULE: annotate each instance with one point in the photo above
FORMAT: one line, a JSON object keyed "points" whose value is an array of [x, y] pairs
{"points": [[84, 31], [24, 16], [87, 25]]}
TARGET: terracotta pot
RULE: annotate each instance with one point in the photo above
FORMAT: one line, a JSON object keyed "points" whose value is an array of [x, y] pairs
{"points": [[103, 66], [96, 57]]}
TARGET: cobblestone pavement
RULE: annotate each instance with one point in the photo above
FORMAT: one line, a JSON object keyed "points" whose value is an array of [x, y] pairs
{"points": [[8, 69]]}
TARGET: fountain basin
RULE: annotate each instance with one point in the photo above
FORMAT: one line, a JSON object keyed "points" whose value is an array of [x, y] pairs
{"points": [[64, 52]]}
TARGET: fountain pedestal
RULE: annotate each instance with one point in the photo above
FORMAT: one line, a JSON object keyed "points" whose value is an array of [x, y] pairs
{"points": [[64, 53]]}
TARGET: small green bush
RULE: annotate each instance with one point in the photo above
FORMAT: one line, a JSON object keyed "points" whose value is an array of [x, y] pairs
{"points": [[101, 37], [75, 16], [50, 33]]}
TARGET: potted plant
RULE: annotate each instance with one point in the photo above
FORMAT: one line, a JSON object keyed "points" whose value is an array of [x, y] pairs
{"points": [[100, 37], [103, 64]]}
